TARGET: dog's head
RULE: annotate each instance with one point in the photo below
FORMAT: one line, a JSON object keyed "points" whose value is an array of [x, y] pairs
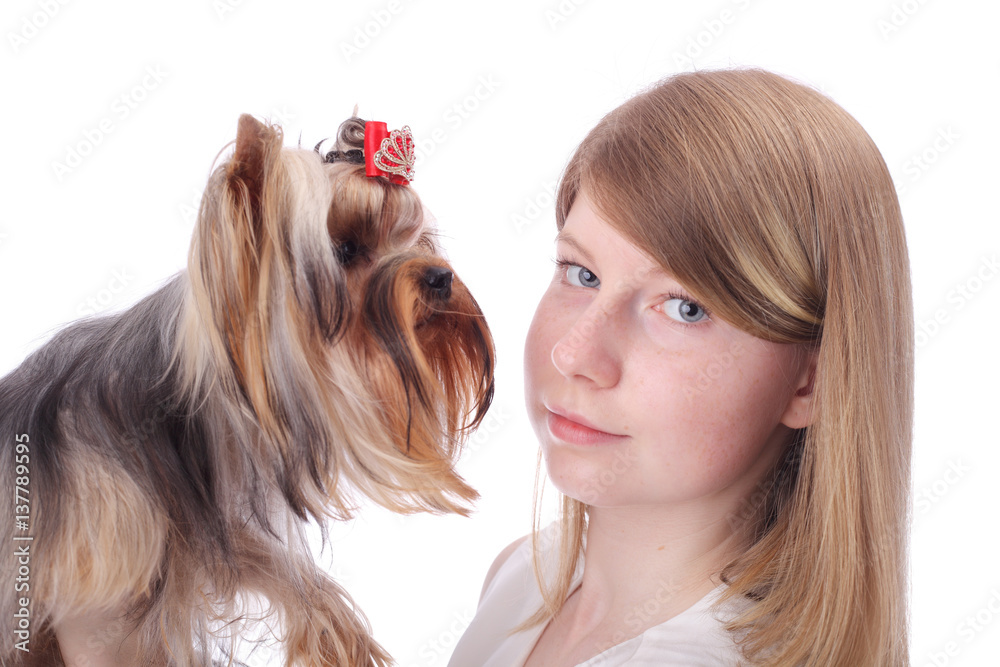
{"points": [[343, 344]]}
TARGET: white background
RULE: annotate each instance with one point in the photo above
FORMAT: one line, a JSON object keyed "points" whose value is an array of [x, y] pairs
{"points": [[511, 87]]}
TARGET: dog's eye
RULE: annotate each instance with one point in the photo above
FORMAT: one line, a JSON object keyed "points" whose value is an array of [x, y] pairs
{"points": [[347, 251]]}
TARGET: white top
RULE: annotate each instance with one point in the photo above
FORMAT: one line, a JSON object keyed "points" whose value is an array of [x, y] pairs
{"points": [[693, 638]]}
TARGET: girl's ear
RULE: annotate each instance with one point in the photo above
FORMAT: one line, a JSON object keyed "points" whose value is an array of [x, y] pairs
{"points": [[799, 411]]}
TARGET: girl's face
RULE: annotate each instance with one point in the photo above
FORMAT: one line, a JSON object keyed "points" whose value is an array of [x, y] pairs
{"points": [[637, 395]]}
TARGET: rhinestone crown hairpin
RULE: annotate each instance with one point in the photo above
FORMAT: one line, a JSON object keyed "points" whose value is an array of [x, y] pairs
{"points": [[389, 154]]}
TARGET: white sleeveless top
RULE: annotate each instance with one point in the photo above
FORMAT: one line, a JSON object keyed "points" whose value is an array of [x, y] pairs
{"points": [[693, 638]]}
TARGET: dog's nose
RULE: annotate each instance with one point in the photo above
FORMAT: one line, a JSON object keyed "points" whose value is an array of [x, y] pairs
{"points": [[439, 281]]}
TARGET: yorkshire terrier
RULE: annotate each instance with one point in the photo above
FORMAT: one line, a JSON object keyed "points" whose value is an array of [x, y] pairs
{"points": [[163, 461]]}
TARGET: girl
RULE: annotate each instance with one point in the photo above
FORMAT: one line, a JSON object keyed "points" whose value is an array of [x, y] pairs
{"points": [[721, 379]]}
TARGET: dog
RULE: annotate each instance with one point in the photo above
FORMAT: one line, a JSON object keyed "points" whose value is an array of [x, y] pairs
{"points": [[164, 460]]}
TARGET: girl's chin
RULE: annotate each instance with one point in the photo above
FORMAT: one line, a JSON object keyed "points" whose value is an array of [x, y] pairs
{"points": [[598, 486]]}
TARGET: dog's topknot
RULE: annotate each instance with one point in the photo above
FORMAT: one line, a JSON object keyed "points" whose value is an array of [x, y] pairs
{"points": [[350, 143]]}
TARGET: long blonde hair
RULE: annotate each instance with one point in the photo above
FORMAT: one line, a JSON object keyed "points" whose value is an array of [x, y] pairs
{"points": [[772, 205]]}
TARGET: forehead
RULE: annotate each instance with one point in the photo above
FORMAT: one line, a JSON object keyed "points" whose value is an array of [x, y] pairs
{"points": [[597, 241]]}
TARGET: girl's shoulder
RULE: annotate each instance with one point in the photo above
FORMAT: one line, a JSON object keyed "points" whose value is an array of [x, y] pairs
{"points": [[510, 596], [502, 558], [546, 542]]}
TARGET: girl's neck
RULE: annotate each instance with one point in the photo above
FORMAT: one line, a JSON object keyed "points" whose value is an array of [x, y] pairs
{"points": [[645, 565]]}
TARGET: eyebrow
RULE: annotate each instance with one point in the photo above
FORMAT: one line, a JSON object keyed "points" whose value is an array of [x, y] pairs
{"points": [[571, 241]]}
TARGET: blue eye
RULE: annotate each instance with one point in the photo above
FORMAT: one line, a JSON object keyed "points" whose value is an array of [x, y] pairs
{"points": [[684, 310], [579, 276]]}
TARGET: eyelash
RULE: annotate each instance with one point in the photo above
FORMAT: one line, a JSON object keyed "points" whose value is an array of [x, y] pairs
{"points": [[563, 264]]}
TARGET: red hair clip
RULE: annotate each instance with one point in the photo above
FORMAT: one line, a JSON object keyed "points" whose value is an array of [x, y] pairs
{"points": [[389, 154]]}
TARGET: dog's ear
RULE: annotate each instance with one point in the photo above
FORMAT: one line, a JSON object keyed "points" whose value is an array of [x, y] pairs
{"points": [[232, 241], [255, 145]]}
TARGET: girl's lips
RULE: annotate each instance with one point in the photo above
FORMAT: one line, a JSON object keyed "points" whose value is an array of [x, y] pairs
{"points": [[574, 429]]}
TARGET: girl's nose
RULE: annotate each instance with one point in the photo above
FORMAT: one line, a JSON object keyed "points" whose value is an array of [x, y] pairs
{"points": [[588, 351]]}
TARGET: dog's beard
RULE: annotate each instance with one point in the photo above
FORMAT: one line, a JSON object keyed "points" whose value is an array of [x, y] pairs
{"points": [[424, 342]]}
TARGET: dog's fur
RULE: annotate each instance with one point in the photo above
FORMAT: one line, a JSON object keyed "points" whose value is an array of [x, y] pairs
{"points": [[317, 347]]}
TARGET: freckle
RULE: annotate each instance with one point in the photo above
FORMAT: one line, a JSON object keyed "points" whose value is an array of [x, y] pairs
{"points": [[661, 548]]}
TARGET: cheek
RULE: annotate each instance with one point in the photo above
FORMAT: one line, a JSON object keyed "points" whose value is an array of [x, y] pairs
{"points": [[532, 342], [536, 364], [533, 356], [544, 332], [709, 416]]}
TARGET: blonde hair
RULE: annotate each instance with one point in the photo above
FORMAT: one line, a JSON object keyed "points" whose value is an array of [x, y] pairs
{"points": [[774, 207]]}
